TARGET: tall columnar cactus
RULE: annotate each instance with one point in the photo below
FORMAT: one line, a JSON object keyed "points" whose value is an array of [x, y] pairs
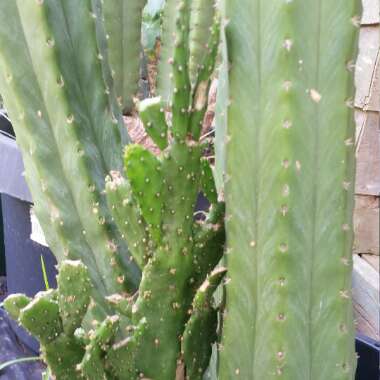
{"points": [[122, 20], [289, 190], [56, 85]]}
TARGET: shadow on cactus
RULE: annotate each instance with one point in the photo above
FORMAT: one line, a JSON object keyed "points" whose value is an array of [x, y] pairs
{"points": [[167, 326]]}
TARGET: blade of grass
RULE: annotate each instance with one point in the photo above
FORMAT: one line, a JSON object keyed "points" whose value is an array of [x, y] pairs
{"points": [[46, 281], [17, 361]]}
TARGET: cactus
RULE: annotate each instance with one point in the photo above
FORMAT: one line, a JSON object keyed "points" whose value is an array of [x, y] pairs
{"points": [[289, 200], [199, 24], [54, 315], [67, 124], [200, 331], [122, 19], [289, 191], [148, 203], [164, 77], [165, 208]]}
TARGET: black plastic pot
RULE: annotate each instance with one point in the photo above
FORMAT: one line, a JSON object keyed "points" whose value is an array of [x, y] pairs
{"points": [[369, 358], [22, 254]]}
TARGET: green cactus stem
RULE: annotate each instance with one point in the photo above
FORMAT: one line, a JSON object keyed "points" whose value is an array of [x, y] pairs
{"points": [[147, 203], [54, 316], [121, 358], [74, 290], [165, 189], [92, 365], [200, 331], [289, 191], [67, 123], [201, 20], [123, 27], [144, 172], [128, 217], [208, 183], [46, 310], [164, 75], [152, 113], [14, 303]]}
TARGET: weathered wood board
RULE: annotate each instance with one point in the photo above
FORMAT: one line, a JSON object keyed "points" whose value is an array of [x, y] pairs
{"points": [[372, 260], [371, 12], [366, 225], [368, 153], [367, 69], [366, 298], [367, 187]]}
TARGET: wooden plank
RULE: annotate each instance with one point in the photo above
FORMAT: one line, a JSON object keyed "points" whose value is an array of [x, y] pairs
{"points": [[368, 153], [367, 69], [366, 225], [372, 260], [371, 11], [365, 294]]}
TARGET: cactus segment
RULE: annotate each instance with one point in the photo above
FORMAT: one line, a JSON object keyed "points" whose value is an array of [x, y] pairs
{"points": [[199, 336], [290, 157], [221, 113], [127, 215], [46, 105], [164, 75], [203, 297], [207, 182], [74, 289], [14, 303], [24, 103], [123, 27], [121, 304], [63, 356], [202, 85], [41, 318], [200, 330], [121, 358], [92, 365], [145, 176], [181, 81], [152, 113], [201, 19], [208, 251], [168, 281], [150, 205], [55, 318]]}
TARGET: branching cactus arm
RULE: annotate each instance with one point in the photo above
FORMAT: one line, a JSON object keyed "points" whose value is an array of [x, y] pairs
{"points": [[122, 20], [200, 331], [54, 315], [178, 262]]}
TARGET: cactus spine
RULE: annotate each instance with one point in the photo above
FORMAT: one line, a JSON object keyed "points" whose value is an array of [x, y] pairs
{"points": [[289, 191]]}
